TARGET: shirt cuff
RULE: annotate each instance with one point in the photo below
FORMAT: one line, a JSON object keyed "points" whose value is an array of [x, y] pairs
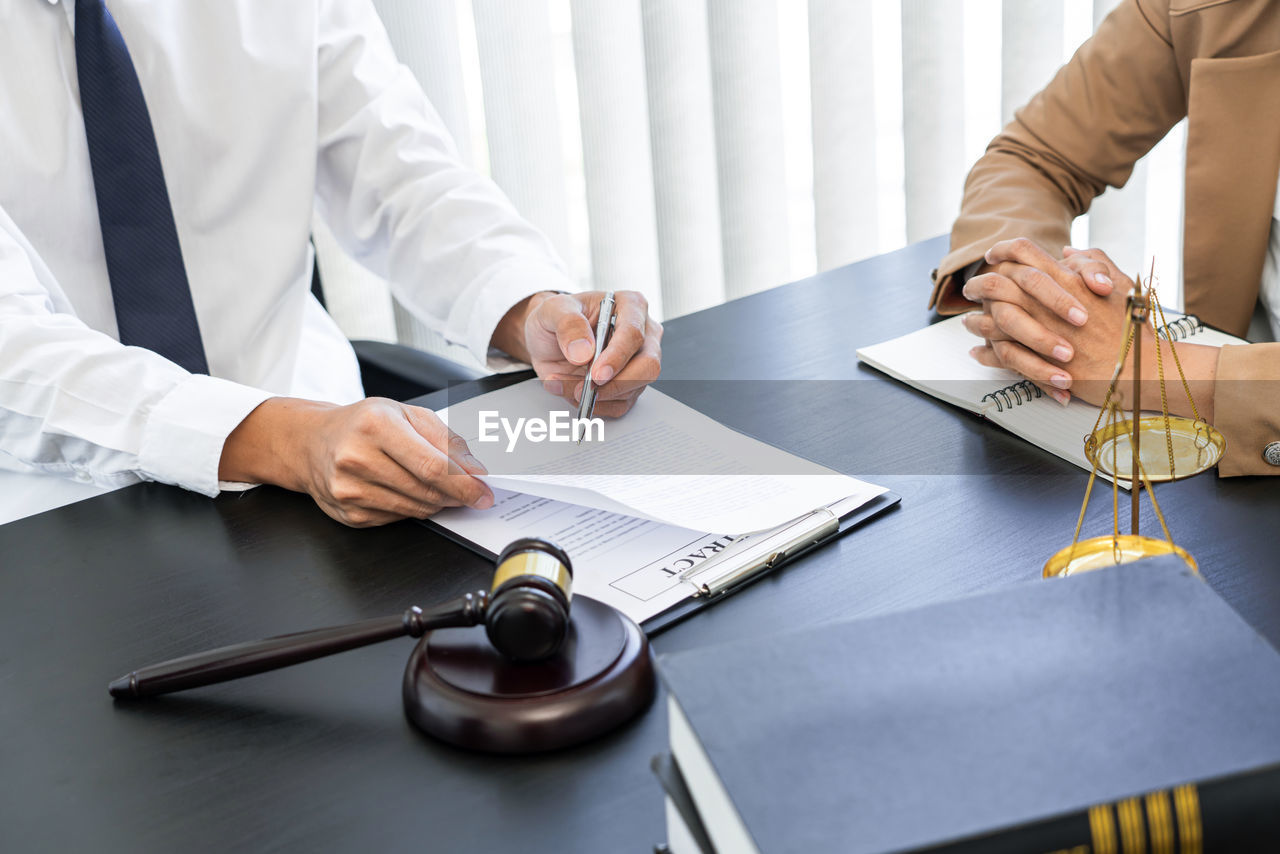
{"points": [[184, 434], [508, 286], [1245, 410], [947, 298]]}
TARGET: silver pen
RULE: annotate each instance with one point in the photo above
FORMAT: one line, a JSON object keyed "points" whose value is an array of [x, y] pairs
{"points": [[604, 328]]}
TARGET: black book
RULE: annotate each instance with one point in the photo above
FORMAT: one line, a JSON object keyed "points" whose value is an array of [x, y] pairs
{"points": [[991, 723]]}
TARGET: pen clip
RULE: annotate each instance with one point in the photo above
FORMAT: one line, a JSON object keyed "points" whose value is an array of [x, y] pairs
{"points": [[752, 554]]}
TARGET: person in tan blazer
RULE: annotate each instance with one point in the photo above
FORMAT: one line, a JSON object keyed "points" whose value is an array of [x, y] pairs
{"points": [[1053, 313]]}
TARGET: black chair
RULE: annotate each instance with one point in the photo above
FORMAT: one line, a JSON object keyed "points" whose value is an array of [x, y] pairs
{"points": [[398, 371]]}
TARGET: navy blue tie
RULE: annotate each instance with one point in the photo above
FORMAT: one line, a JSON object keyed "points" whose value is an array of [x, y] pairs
{"points": [[144, 260]]}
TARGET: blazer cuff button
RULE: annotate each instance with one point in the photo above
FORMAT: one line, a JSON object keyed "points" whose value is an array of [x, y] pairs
{"points": [[1271, 453]]}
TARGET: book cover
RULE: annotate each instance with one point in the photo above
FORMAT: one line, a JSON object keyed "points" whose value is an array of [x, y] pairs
{"points": [[958, 719]]}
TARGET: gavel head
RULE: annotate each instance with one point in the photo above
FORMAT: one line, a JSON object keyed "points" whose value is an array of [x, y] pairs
{"points": [[527, 616]]}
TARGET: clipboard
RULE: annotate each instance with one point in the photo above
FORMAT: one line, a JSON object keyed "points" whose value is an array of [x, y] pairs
{"points": [[749, 558], [754, 556]]}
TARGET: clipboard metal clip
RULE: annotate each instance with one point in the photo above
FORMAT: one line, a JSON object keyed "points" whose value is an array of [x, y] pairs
{"points": [[753, 554]]}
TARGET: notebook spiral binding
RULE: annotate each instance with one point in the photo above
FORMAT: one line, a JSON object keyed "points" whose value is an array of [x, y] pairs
{"points": [[1183, 327], [1021, 392], [1013, 395]]}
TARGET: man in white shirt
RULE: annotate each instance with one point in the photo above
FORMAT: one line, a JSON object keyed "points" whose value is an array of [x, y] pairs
{"points": [[262, 114]]}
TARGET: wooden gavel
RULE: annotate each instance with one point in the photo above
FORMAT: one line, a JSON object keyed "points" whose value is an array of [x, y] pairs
{"points": [[525, 613]]}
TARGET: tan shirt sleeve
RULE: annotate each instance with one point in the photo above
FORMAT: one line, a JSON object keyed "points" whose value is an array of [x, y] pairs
{"points": [[1106, 108], [1246, 407]]}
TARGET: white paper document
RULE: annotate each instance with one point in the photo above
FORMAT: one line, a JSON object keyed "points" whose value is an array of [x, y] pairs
{"points": [[663, 491], [630, 563], [663, 461]]}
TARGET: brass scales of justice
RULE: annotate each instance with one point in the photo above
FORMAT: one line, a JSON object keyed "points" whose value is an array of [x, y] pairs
{"points": [[1140, 449]]}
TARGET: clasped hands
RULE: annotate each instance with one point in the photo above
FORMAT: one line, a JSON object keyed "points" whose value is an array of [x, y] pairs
{"points": [[378, 461], [1057, 322]]}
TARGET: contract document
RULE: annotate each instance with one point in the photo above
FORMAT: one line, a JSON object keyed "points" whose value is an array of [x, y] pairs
{"points": [[630, 563], [641, 503], [662, 461]]}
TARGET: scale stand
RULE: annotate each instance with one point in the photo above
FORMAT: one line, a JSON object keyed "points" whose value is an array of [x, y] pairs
{"points": [[1116, 448]]}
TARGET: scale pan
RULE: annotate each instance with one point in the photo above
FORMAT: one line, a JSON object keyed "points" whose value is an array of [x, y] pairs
{"points": [[1097, 553], [1197, 446]]}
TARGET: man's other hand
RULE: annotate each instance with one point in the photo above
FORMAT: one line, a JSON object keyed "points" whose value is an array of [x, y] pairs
{"points": [[370, 463]]}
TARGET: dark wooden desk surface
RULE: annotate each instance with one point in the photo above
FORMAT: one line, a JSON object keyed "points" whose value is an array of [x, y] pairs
{"points": [[321, 756]]}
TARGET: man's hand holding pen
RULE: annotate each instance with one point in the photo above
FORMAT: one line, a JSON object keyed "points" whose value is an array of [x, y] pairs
{"points": [[560, 337]]}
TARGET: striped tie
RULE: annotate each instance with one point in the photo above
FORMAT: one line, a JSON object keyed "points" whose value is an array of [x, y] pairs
{"points": [[144, 261]]}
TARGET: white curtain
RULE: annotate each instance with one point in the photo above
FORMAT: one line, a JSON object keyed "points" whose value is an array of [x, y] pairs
{"points": [[701, 150]]}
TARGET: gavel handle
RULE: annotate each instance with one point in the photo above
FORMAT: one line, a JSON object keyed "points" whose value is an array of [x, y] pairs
{"points": [[246, 659]]}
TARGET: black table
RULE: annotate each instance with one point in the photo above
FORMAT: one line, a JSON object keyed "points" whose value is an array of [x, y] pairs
{"points": [[321, 757]]}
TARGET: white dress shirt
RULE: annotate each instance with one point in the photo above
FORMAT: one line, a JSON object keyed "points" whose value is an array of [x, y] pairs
{"points": [[264, 113], [1269, 291]]}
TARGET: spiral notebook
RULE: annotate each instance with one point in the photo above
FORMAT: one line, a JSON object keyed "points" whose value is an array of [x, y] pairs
{"points": [[936, 360]]}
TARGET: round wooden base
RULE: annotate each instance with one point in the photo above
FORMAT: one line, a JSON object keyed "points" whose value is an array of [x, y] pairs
{"points": [[459, 689]]}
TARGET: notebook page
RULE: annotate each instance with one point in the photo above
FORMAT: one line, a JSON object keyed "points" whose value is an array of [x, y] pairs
{"points": [[1045, 422], [1212, 337], [936, 360]]}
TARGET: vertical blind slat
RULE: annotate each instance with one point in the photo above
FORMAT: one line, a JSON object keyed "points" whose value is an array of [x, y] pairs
{"points": [[1030, 50], [842, 71], [1165, 221], [1118, 222], [608, 42], [526, 156], [682, 137], [932, 115], [747, 87], [1118, 218], [425, 38], [359, 301]]}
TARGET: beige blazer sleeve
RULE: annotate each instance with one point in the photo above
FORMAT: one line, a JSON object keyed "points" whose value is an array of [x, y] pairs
{"points": [[1246, 407], [1106, 108]]}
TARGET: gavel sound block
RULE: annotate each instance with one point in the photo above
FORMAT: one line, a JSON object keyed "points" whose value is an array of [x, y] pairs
{"points": [[527, 675], [458, 688]]}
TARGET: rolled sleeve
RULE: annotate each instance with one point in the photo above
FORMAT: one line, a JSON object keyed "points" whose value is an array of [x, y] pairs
{"points": [[185, 430], [1246, 407], [477, 316], [947, 298]]}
